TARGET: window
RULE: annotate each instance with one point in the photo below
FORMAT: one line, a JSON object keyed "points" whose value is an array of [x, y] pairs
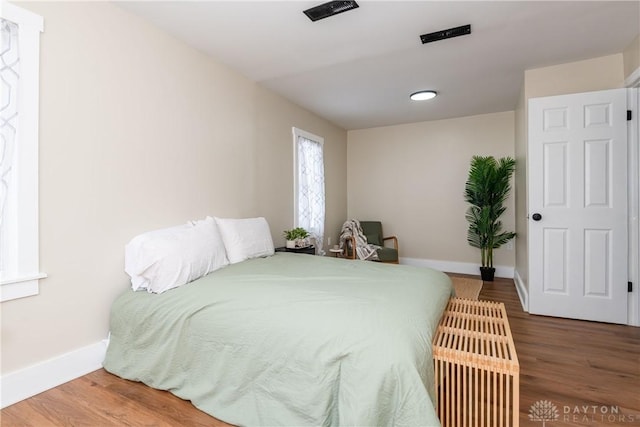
{"points": [[19, 76], [309, 185]]}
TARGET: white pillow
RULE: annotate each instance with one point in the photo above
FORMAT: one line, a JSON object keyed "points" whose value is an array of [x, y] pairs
{"points": [[164, 259], [245, 238]]}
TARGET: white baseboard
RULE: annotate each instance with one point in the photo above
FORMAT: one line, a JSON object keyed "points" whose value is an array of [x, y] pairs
{"points": [[523, 292], [456, 267], [27, 382]]}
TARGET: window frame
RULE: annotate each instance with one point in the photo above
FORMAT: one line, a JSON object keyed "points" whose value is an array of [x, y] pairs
{"points": [[320, 140], [22, 244]]}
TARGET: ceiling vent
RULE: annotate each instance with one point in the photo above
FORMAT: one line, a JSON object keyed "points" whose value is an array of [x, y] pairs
{"points": [[331, 8], [446, 34]]}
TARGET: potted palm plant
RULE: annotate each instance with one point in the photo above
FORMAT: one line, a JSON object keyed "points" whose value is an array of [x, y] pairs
{"points": [[486, 190]]}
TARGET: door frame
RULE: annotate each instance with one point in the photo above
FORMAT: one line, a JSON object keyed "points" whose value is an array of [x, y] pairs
{"points": [[633, 138], [622, 95], [632, 83]]}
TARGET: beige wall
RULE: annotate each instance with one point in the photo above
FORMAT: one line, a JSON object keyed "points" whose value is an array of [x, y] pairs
{"points": [[575, 77], [412, 177], [605, 72], [274, 120], [139, 131], [631, 57]]}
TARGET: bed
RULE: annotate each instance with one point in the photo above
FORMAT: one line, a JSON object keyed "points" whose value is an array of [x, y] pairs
{"points": [[289, 339]]}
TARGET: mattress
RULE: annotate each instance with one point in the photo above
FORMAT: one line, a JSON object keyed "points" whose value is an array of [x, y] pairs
{"points": [[290, 339]]}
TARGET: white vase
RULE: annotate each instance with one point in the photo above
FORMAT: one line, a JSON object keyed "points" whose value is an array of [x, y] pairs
{"points": [[291, 244]]}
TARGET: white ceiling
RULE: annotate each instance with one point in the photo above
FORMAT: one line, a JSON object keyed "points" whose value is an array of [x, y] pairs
{"points": [[358, 68]]}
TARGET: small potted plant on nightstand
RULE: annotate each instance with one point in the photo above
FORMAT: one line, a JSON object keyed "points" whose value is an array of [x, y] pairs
{"points": [[296, 238]]}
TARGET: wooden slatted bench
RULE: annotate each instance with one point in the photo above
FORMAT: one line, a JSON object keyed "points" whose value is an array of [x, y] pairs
{"points": [[477, 374]]}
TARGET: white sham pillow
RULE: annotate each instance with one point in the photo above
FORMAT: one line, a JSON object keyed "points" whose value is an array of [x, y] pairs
{"points": [[164, 259], [245, 238]]}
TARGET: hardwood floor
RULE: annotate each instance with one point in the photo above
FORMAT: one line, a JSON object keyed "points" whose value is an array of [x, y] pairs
{"points": [[101, 399], [583, 368]]}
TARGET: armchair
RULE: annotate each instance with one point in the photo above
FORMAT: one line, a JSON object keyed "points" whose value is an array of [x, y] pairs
{"points": [[373, 232]]}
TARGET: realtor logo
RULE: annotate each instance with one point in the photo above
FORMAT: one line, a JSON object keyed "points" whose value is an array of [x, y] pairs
{"points": [[598, 415], [543, 410]]}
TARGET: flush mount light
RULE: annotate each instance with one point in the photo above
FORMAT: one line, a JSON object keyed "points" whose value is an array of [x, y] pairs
{"points": [[423, 95]]}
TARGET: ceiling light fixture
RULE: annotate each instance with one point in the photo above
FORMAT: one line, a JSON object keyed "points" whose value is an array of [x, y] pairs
{"points": [[423, 95], [328, 9]]}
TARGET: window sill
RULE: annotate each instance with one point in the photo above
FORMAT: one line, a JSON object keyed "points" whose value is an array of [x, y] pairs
{"points": [[20, 287]]}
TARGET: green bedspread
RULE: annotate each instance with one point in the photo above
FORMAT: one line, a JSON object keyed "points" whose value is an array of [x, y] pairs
{"points": [[289, 340]]}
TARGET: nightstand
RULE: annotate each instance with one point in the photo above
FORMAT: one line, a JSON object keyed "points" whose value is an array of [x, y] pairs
{"points": [[310, 250]]}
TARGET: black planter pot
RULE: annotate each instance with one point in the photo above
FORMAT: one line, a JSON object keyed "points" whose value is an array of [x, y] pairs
{"points": [[487, 273]]}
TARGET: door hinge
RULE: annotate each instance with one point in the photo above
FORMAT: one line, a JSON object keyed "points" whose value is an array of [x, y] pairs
{"points": [[628, 114], [629, 287]]}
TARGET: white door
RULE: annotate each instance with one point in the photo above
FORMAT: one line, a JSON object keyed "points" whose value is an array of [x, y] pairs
{"points": [[577, 165]]}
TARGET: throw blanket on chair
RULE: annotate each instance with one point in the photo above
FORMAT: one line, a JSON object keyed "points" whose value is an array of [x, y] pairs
{"points": [[351, 228]]}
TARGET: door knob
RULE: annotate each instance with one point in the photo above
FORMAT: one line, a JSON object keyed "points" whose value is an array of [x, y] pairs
{"points": [[536, 217]]}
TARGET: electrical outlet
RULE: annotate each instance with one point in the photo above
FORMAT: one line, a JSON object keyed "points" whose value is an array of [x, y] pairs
{"points": [[509, 245]]}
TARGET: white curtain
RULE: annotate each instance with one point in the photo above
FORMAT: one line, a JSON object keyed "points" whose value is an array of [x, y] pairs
{"points": [[311, 189], [8, 104], [9, 75]]}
